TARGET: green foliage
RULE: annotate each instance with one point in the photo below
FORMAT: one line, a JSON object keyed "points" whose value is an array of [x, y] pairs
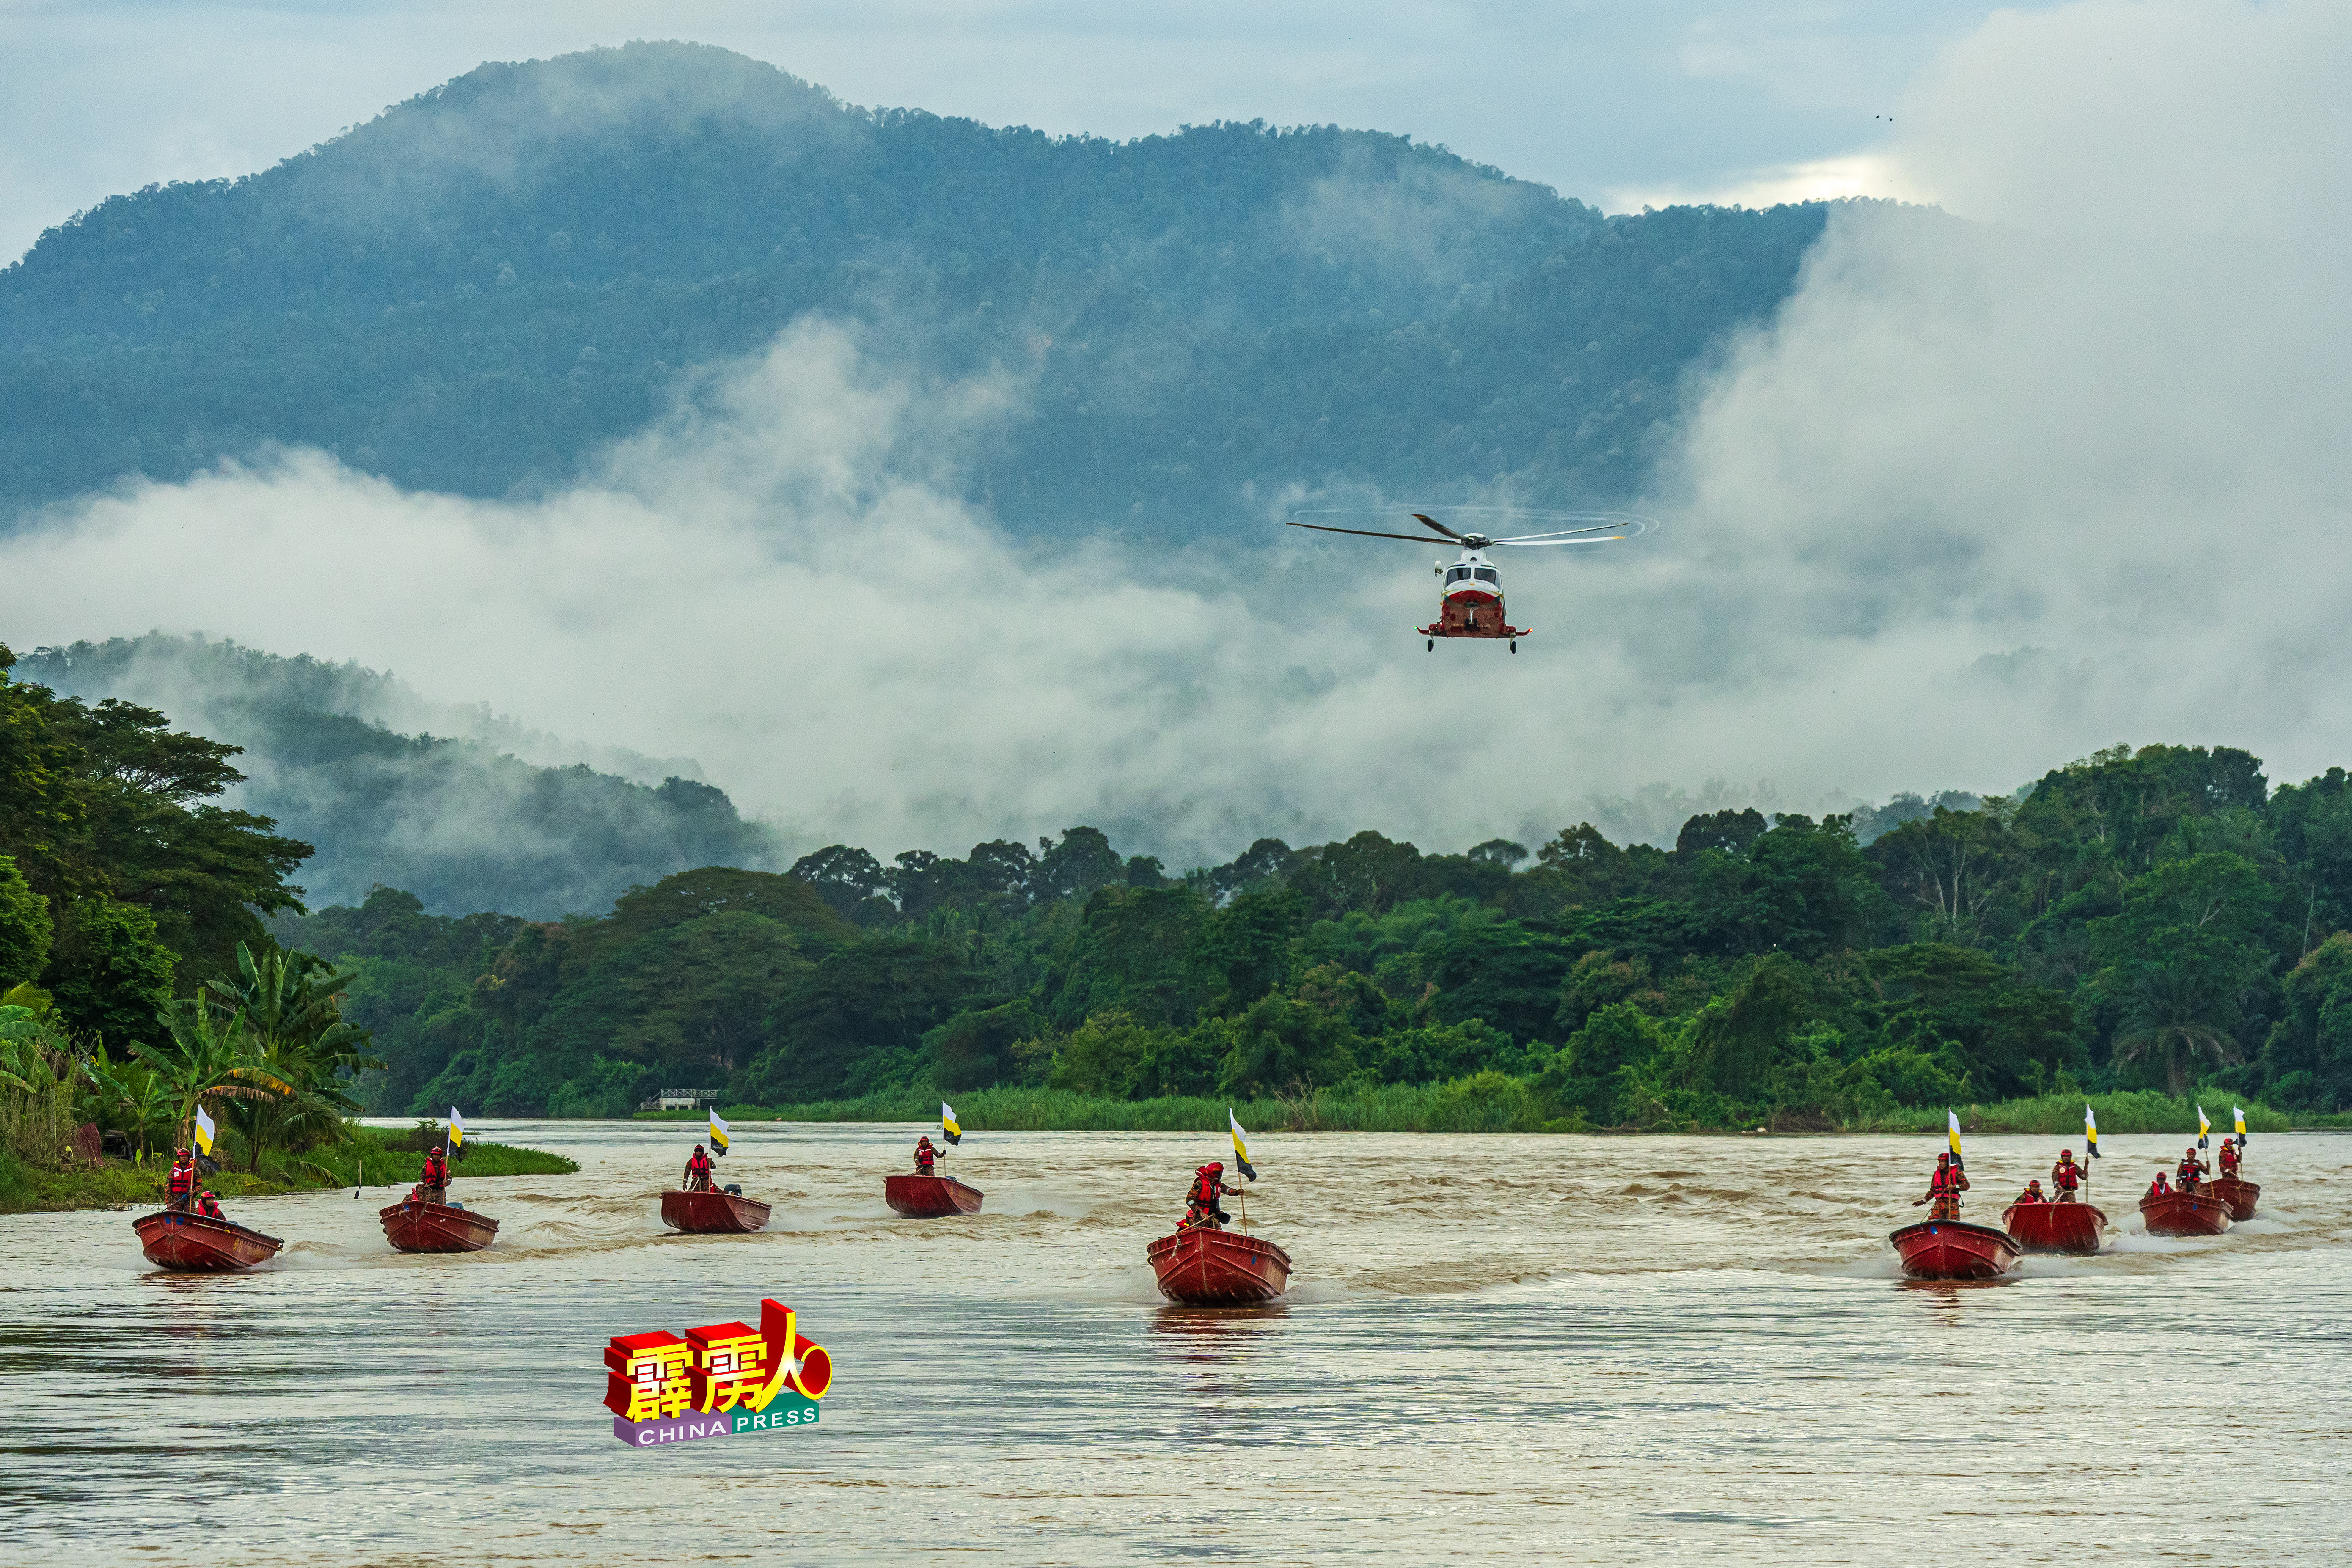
{"points": [[2139, 926], [110, 974], [26, 929]]}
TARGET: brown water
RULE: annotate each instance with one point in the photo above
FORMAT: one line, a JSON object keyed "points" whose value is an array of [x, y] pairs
{"points": [[1651, 1349]]}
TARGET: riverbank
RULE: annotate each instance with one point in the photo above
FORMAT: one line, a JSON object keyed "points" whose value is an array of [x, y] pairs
{"points": [[120, 1184], [1490, 1102]]}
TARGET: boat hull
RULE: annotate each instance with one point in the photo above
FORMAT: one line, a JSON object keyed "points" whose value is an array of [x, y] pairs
{"points": [[2185, 1213], [929, 1197], [713, 1213], [2242, 1195], [1954, 1249], [1204, 1267], [194, 1244], [437, 1227], [2055, 1227]]}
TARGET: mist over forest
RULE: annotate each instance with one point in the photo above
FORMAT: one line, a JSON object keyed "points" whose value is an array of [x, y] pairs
{"points": [[479, 290], [851, 487]]}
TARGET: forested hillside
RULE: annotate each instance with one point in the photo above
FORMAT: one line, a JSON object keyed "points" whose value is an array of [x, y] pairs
{"points": [[2159, 918], [475, 290], [458, 819]]}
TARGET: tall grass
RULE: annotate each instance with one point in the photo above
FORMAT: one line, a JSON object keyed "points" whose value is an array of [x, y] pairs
{"points": [[1490, 1102], [2144, 1110]]}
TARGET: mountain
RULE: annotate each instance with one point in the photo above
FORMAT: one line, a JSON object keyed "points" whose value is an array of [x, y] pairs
{"points": [[480, 288], [459, 821]]}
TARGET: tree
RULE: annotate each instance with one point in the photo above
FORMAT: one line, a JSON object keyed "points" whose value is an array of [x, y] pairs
{"points": [[25, 929], [208, 1056], [290, 1007], [110, 973]]}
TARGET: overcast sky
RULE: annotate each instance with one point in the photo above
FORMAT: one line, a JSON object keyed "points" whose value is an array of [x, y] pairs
{"points": [[1619, 102]]}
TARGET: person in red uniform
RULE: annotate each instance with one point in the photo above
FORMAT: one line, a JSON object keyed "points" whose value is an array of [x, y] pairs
{"points": [[2065, 1176], [2032, 1193], [209, 1206], [699, 1168], [2191, 1168], [181, 1190], [433, 1186], [2230, 1158], [1202, 1206], [925, 1154], [2159, 1188], [1944, 1190]]}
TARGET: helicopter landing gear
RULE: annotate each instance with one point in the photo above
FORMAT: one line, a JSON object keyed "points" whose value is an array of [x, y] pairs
{"points": [[1432, 646], [1515, 645]]}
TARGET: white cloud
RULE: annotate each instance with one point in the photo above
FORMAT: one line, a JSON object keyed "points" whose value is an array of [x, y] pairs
{"points": [[1984, 499]]}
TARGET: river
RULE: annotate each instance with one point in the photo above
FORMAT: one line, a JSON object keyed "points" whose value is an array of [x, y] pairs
{"points": [[1658, 1350]]}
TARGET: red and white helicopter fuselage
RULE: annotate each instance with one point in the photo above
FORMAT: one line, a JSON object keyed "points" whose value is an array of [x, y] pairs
{"points": [[1472, 604]]}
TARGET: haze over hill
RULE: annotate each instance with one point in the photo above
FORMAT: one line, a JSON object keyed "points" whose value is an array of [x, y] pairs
{"points": [[1972, 497], [483, 287]]}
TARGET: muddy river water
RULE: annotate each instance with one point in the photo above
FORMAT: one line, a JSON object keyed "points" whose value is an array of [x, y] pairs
{"points": [[1494, 1349]]}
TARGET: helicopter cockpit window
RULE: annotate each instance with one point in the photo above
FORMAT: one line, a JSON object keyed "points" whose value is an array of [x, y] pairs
{"points": [[1488, 574], [1459, 573]]}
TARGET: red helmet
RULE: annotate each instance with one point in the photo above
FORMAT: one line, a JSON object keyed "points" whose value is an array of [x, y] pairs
{"points": [[2065, 1154], [2035, 1184], [436, 1148], [1944, 1158], [183, 1153]]}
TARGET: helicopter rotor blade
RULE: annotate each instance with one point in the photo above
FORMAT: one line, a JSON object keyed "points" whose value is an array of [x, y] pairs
{"points": [[1361, 533], [1531, 543], [1558, 533], [1440, 528]]}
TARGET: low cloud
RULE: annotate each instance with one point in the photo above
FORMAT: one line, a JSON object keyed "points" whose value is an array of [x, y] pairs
{"points": [[1984, 497]]}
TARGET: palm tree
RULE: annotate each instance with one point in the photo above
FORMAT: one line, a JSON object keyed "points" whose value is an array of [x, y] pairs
{"points": [[292, 1006], [2171, 1021], [211, 1055]]}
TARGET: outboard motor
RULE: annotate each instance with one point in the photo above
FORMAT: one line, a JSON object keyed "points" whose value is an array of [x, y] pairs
{"points": [[733, 1189]]}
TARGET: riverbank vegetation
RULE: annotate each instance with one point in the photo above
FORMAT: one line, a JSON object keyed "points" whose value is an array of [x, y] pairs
{"points": [[386, 1159], [1483, 1103], [2157, 921]]}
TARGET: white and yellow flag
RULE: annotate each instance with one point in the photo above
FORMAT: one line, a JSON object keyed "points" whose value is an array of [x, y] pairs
{"points": [[204, 1132], [1952, 1118], [948, 1125], [717, 1131], [456, 1130], [1240, 1146], [2239, 1114], [2091, 1130], [2204, 1128]]}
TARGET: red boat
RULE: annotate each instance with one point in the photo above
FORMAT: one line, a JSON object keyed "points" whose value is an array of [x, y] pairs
{"points": [[2238, 1192], [2055, 1227], [195, 1244], [2185, 1214], [929, 1197], [1954, 1249], [1202, 1266], [709, 1213], [437, 1227]]}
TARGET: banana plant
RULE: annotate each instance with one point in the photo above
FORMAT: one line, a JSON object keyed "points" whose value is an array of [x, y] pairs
{"points": [[210, 1056], [292, 1006]]}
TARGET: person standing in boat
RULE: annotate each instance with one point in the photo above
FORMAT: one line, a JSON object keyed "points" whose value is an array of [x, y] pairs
{"points": [[180, 1191], [433, 1186], [926, 1154], [2229, 1159], [700, 1168], [1944, 1190], [2065, 1176], [2191, 1169], [1202, 1206]]}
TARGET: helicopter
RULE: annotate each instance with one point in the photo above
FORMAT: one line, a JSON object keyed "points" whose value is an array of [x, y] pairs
{"points": [[1472, 606]]}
